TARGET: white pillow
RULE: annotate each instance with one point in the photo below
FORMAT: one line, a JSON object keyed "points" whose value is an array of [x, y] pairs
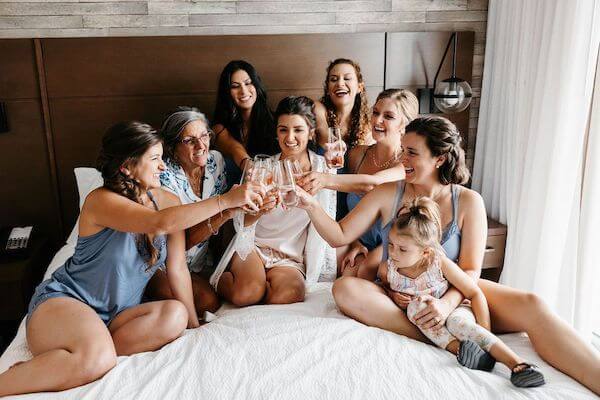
{"points": [[87, 180]]}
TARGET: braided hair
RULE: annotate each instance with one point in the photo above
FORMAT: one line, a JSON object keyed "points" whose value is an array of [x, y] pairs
{"points": [[123, 145], [442, 138]]}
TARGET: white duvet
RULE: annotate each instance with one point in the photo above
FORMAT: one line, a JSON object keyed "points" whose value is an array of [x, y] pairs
{"points": [[300, 351]]}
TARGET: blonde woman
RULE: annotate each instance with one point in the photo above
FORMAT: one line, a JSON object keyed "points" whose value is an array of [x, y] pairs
{"points": [[369, 166]]}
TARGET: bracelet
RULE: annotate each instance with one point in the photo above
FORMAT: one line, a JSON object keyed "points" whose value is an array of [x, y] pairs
{"points": [[210, 227], [243, 162], [219, 205]]}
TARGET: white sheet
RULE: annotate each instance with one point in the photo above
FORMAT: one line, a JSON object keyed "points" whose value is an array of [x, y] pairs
{"points": [[300, 351]]}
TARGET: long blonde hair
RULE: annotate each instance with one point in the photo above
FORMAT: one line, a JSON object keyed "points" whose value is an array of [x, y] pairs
{"points": [[405, 100], [360, 126]]}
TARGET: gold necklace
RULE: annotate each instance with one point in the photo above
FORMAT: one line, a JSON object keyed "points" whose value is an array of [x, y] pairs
{"points": [[386, 164]]}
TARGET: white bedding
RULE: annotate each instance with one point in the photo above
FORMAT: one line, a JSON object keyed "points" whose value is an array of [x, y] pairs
{"points": [[300, 351]]}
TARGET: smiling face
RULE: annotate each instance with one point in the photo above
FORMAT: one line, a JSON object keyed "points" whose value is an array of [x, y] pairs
{"points": [[242, 90], [419, 164], [193, 146], [403, 251], [343, 85], [293, 134], [386, 119], [148, 168]]}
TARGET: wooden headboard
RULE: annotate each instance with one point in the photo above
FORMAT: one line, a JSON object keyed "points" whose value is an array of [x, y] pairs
{"points": [[62, 94]]}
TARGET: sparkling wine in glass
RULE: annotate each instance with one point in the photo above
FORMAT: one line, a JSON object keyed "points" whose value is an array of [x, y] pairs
{"points": [[335, 149], [286, 183]]}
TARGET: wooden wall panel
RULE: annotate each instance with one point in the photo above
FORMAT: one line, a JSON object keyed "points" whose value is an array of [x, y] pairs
{"points": [[18, 76], [27, 193], [136, 66]]}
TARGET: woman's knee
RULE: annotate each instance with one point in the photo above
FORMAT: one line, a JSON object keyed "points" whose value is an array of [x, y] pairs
{"points": [[173, 320], [289, 294], [207, 301], [249, 293], [345, 292], [91, 363]]}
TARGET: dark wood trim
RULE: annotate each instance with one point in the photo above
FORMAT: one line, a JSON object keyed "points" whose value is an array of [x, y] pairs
{"points": [[48, 135]]}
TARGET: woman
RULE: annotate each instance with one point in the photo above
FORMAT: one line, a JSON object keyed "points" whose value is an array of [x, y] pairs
{"points": [[344, 104], [369, 166], [435, 167], [194, 174], [89, 311], [286, 249], [244, 124]]}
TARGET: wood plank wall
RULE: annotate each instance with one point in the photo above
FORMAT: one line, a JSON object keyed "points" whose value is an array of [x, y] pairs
{"points": [[92, 83]]}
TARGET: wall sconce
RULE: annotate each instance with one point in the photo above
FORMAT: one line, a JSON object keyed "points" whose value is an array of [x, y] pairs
{"points": [[451, 95], [3, 119]]}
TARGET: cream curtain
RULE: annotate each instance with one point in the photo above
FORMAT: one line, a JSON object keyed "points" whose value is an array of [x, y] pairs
{"points": [[536, 159]]}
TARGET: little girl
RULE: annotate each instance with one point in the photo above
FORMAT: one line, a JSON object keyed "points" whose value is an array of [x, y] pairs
{"points": [[417, 266]]}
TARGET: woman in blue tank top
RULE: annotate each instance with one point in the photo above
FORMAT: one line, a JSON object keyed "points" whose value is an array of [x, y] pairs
{"points": [[89, 311], [435, 167]]}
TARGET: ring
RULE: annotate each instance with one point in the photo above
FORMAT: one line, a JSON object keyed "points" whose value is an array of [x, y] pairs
{"points": [[437, 320]]}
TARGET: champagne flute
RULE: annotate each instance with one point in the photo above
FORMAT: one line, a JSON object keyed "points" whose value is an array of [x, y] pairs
{"points": [[335, 149], [286, 183]]}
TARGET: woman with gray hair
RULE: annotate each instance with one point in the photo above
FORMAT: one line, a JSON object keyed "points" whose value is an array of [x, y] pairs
{"points": [[194, 173]]}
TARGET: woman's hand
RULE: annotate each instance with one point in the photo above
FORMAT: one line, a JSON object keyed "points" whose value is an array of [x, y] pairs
{"points": [[351, 257], [305, 200], [402, 300], [434, 315], [247, 195], [312, 182], [270, 201]]}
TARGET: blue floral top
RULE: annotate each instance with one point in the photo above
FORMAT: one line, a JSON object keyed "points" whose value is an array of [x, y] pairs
{"points": [[175, 180]]}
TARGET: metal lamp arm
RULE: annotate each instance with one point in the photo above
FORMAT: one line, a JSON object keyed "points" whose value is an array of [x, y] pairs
{"points": [[452, 37]]}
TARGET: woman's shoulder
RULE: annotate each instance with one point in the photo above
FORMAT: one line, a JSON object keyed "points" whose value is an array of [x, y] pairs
{"points": [[320, 107], [355, 154], [468, 197], [164, 198], [219, 128]]}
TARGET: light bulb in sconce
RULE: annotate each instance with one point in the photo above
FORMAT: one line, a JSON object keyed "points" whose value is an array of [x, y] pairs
{"points": [[452, 95]]}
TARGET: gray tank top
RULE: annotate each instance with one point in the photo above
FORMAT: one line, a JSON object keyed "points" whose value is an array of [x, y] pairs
{"points": [[108, 272], [450, 235]]}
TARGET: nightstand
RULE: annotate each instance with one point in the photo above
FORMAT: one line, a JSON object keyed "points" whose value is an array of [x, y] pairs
{"points": [[493, 259], [18, 279]]}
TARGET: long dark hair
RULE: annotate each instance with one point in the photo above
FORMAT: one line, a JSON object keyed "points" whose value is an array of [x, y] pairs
{"points": [[262, 124], [124, 144]]}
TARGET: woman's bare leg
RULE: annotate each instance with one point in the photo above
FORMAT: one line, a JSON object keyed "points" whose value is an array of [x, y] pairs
{"points": [[205, 298], [245, 283], [284, 286], [553, 339], [71, 347], [148, 327], [368, 303]]}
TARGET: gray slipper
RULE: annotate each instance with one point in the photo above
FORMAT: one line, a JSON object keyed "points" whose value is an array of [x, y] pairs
{"points": [[530, 376], [472, 356]]}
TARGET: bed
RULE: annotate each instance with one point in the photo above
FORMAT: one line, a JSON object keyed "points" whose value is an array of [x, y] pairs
{"points": [[300, 351], [303, 351]]}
